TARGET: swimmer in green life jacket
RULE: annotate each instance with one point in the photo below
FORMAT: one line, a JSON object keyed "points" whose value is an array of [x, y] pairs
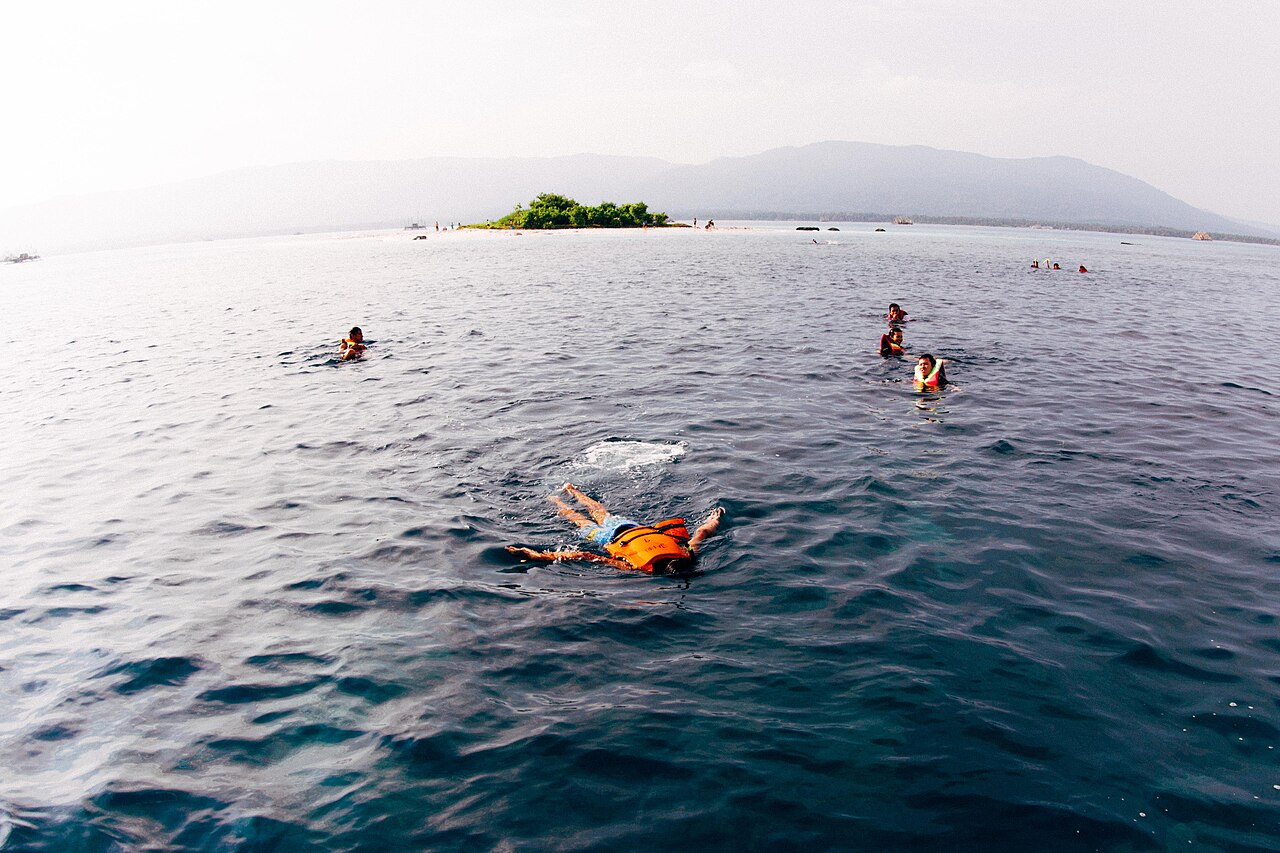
{"points": [[352, 346], [891, 342], [664, 548], [929, 373]]}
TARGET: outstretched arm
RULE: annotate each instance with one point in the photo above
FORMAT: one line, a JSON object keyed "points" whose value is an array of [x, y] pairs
{"points": [[553, 556], [706, 529]]}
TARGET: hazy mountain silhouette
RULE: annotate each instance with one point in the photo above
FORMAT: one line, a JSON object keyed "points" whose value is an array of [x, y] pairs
{"points": [[824, 178], [853, 177]]}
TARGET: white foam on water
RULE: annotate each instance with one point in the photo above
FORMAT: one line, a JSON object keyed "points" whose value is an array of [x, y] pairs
{"points": [[628, 455]]}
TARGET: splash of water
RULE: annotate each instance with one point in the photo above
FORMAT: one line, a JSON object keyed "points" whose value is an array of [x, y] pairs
{"points": [[629, 455]]}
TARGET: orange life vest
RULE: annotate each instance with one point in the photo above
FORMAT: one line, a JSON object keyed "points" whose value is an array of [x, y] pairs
{"points": [[641, 546]]}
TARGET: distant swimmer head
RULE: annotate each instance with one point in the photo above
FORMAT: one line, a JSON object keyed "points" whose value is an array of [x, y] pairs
{"points": [[895, 334], [673, 566], [896, 312]]}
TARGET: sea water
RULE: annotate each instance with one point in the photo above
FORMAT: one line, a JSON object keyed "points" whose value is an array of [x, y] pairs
{"points": [[256, 598]]}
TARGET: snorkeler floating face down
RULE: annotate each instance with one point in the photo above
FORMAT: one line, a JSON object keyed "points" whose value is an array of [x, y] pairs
{"points": [[662, 548]]}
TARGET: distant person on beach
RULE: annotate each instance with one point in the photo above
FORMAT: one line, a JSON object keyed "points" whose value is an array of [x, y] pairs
{"points": [[929, 373], [1082, 269], [695, 222], [352, 346], [896, 314], [664, 548], [711, 223], [891, 342]]}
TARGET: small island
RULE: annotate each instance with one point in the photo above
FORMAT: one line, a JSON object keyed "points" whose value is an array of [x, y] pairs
{"points": [[549, 210]]}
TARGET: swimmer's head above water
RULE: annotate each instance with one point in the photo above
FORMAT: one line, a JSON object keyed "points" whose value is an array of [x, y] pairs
{"points": [[929, 372]]}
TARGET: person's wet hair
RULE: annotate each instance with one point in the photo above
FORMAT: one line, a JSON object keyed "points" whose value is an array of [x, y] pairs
{"points": [[673, 566], [355, 330]]}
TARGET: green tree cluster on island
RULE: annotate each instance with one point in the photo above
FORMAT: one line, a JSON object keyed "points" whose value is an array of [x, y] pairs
{"points": [[550, 210]]}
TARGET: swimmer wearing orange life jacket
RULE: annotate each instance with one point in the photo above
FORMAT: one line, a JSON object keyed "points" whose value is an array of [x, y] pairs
{"points": [[665, 548], [891, 343], [929, 372], [352, 346]]}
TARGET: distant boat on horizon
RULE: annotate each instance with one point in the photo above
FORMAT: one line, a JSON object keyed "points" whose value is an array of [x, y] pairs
{"points": [[18, 259], [902, 220], [415, 225]]}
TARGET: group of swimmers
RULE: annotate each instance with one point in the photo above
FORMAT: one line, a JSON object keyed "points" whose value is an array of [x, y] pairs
{"points": [[1035, 265], [930, 374], [665, 547]]}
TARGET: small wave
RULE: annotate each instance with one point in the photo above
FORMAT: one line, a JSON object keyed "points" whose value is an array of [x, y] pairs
{"points": [[628, 455], [154, 672]]}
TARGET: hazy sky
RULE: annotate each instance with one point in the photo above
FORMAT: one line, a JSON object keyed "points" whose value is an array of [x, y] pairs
{"points": [[101, 95]]}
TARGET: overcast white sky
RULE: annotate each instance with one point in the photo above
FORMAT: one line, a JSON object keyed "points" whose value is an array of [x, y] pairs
{"points": [[94, 95]]}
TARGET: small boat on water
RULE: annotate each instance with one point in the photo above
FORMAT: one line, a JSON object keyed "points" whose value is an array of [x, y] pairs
{"points": [[902, 220], [18, 259]]}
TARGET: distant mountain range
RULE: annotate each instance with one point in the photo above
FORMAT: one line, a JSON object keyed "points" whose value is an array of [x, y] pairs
{"points": [[827, 179]]}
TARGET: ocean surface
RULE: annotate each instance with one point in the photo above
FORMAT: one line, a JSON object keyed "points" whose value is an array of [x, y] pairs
{"points": [[256, 599]]}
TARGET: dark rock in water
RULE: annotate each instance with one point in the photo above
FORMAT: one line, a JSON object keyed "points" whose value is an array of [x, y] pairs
{"points": [[833, 229], [879, 229]]}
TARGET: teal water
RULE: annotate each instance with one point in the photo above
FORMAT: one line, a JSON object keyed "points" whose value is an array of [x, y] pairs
{"points": [[257, 599]]}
